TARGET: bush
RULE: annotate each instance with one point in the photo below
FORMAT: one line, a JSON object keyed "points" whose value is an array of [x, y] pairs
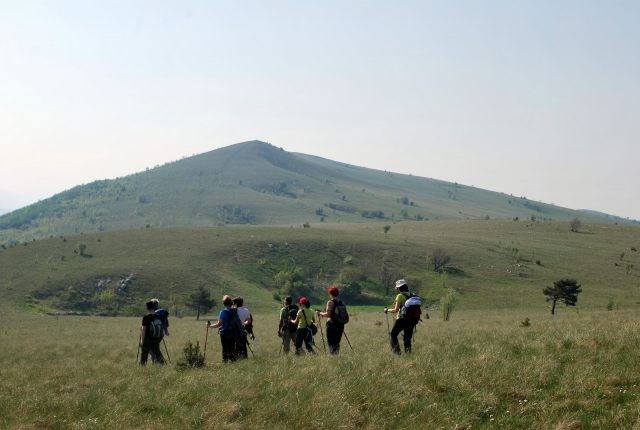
{"points": [[448, 304], [440, 259], [191, 356], [575, 225]]}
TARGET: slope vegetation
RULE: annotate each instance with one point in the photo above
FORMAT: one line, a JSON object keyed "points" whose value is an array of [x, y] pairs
{"points": [[257, 183], [494, 264]]}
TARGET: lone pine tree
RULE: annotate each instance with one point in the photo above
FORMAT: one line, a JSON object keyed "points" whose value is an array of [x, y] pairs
{"points": [[200, 301], [565, 290]]}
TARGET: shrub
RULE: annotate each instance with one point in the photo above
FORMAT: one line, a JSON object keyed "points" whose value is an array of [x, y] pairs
{"points": [[191, 356], [575, 225], [440, 259], [448, 304], [610, 304]]}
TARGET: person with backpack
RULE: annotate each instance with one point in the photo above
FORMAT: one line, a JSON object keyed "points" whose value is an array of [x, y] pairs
{"points": [[337, 317], [286, 329], [163, 314], [244, 315], [247, 322], [151, 334], [231, 330], [306, 328], [406, 316]]}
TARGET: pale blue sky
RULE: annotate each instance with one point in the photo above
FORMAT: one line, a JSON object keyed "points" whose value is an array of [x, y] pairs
{"points": [[535, 98]]}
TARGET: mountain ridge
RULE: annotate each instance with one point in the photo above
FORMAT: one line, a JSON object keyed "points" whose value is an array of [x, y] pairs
{"points": [[255, 182]]}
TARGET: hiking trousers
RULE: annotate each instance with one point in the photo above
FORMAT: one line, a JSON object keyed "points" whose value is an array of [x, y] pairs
{"points": [[304, 334], [228, 348], [334, 336], [151, 347], [288, 338], [241, 348], [402, 325]]}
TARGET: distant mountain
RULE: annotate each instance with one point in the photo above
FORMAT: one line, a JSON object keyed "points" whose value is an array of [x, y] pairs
{"points": [[4, 211], [257, 183]]}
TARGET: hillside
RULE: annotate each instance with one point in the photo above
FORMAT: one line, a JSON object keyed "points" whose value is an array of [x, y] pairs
{"points": [[257, 183], [495, 264]]}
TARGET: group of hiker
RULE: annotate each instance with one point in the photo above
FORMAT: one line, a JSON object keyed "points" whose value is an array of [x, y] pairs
{"points": [[297, 325]]}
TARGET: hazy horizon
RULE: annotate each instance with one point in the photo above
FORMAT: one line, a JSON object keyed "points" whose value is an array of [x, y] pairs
{"points": [[536, 99]]}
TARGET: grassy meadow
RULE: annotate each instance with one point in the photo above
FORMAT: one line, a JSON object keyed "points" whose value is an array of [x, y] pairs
{"points": [[577, 369], [479, 370]]}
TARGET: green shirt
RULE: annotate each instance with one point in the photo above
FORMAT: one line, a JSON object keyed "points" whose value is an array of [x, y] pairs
{"points": [[401, 298], [306, 319]]}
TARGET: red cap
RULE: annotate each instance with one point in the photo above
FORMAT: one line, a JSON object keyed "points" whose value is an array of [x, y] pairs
{"points": [[333, 291], [304, 300]]}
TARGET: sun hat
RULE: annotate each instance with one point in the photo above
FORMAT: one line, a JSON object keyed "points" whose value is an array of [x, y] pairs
{"points": [[400, 283]]}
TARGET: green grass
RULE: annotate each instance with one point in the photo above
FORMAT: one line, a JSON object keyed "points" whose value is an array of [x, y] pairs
{"points": [[256, 183], [172, 263], [480, 370]]}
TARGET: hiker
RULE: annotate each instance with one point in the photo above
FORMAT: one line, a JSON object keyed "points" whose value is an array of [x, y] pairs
{"points": [[406, 324], [244, 315], [231, 330], [286, 329], [151, 333], [305, 320], [337, 317], [247, 321], [163, 314]]}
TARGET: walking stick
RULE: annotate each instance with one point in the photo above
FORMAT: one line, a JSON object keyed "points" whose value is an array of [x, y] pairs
{"points": [[249, 346], [388, 329], [138, 354], [167, 350], [324, 347], [204, 355], [345, 336]]}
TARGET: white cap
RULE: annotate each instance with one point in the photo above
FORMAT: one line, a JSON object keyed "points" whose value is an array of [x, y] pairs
{"points": [[400, 283]]}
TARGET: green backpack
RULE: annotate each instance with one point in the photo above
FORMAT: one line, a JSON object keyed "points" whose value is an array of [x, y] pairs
{"points": [[156, 329]]}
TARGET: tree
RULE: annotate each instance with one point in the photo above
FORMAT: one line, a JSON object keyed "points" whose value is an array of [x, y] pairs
{"points": [[440, 259], [565, 291], [386, 229], [82, 248], [575, 225], [386, 277], [201, 301]]}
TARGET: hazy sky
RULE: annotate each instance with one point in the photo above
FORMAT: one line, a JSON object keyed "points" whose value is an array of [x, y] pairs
{"points": [[535, 98]]}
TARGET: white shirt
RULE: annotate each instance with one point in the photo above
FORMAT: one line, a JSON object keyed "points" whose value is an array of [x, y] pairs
{"points": [[244, 314]]}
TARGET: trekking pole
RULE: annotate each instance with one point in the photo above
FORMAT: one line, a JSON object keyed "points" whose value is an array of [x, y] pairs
{"points": [[204, 355], [138, 354], [167, 350], [324, 347], [345, 336], [249, 346], [388, 329]]}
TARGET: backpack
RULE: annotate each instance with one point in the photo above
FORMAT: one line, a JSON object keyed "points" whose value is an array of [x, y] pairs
{"points": [[163, 314], [340, 314], [292, 313], [235, 329], [412, 308], [156, 328]]}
